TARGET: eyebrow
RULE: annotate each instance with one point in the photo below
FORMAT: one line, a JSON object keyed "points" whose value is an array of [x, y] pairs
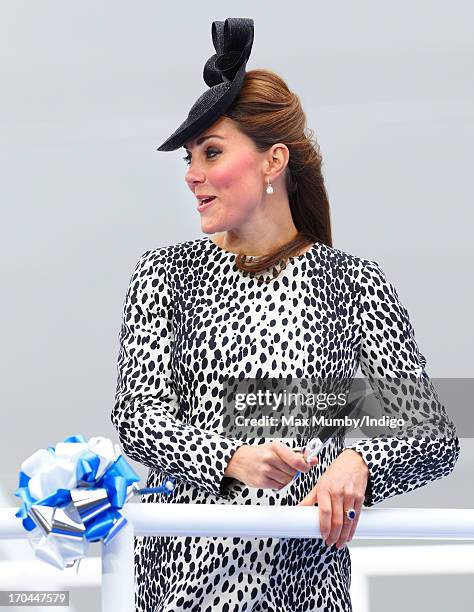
{"points": [[203, 138]]}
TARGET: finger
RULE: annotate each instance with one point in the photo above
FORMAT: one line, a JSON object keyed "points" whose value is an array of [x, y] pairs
{"points": [[336, 518], [325, 512], [280, 465], [311, 462], [284, 467], [279, 476], [310, 499], [294, 459], [358, 508], [270, 483], [349, 502]]}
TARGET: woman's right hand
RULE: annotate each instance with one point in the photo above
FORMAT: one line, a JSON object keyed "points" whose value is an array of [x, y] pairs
{"points": [[267, 466]]}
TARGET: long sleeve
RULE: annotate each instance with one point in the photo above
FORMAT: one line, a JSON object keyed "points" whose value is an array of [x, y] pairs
{"points": [[146, 409], [426, 447]]}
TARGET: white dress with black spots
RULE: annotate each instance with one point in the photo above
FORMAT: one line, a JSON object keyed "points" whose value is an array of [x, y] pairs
{"points": [[192, 318]]}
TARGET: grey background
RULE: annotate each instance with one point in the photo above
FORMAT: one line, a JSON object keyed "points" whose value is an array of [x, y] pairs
{"points": [[89, 90]]}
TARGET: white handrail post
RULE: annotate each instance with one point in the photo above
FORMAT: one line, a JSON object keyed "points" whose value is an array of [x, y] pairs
{"points": [[118, 572]]}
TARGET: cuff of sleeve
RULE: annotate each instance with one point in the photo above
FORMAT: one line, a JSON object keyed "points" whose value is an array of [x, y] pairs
{"points": [[225, 482], [371, 498]]}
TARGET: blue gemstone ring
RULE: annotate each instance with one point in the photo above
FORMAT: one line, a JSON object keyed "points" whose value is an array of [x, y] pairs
{"points": [[350, 513]]}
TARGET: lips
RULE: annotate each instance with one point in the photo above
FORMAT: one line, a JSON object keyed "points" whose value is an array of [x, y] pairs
{"points": [[205, 199], [205, 203]]}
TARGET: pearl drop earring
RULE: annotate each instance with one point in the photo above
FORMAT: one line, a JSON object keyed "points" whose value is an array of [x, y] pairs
{"points": [[269, 187]]}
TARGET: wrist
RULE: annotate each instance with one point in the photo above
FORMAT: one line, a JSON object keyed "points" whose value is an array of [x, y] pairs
{"points": [[360, 457], [232, 469]]}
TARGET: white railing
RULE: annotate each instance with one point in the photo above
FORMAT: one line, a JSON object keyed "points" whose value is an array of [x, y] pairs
{"points": [[211, 520]]}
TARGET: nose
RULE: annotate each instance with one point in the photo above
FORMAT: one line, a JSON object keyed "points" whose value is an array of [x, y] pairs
{"points": [[194, 176]]}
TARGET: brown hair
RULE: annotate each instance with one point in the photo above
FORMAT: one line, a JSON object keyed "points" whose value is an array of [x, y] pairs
{"points": [[268, 112]]}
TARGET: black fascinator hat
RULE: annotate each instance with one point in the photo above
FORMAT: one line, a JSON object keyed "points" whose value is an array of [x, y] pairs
{"points": [[224, 73]]}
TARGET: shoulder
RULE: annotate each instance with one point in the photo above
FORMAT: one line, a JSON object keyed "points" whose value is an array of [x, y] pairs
{"points": [[363, 277], [169, 263], [338, 260], [177, 254]]}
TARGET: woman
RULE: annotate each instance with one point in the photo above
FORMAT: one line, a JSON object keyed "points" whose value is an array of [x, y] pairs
{"points": [[200, 311]]}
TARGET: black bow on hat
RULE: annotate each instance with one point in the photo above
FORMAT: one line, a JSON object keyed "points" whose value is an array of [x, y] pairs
{"points": [[224, 73]]}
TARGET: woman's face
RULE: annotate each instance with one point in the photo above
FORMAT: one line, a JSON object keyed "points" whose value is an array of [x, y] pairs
{"points": [[224, 163]]}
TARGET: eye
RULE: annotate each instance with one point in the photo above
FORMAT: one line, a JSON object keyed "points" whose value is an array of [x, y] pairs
{"points": [[187, 159]]}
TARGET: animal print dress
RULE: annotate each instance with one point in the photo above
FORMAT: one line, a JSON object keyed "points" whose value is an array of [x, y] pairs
{"points": [[192, 318]]}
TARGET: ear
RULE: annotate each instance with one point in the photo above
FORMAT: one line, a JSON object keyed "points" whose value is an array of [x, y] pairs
{"points": [[280, 156], [276, 160]]}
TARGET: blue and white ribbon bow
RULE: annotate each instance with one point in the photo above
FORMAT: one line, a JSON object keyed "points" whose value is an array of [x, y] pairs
{"points": [[72, 495]]}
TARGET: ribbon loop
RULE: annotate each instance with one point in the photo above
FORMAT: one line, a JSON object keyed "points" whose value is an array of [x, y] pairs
{"points": [[232, 41], [72, 494]]}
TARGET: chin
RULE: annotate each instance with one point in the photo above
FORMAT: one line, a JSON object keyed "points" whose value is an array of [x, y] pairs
{"points": [[208, 227]]}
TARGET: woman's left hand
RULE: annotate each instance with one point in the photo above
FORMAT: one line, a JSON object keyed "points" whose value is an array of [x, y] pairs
{"points": [[342, 486]]}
